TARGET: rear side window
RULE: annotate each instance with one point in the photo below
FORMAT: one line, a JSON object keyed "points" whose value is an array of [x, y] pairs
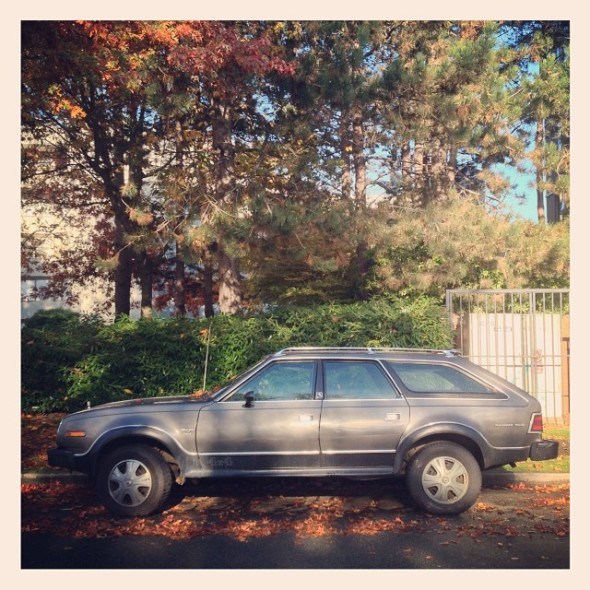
{"points": [[434, 378], [356, 380]]}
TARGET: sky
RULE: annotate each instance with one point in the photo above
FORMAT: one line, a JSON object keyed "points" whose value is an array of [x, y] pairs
{"points": [[524, 207]]}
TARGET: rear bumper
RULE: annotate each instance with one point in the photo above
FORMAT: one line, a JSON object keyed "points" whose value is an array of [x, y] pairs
{"points": [[542, 450]]}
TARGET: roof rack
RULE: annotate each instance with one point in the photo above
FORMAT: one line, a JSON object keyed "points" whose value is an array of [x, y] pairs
{"points": [[369, 350]]}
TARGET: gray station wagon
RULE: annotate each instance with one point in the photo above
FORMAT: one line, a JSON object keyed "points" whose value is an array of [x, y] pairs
{"points": [[430, 415]]}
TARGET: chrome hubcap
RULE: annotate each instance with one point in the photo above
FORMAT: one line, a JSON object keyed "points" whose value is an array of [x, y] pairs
{"points": [[130, 483], [445, 480]]}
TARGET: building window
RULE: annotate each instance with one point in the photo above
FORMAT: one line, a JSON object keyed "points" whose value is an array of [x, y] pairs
{"points": [[31, 288]]}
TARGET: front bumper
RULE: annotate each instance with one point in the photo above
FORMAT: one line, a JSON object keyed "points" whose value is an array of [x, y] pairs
{"points": [[59, 457], [542, 450]]}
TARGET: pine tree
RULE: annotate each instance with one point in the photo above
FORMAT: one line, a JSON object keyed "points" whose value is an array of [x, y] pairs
{"points": [[542, 53], [447, 110]]}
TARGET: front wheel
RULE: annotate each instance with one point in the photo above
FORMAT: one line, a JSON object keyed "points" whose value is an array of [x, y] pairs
{"points": [[134, 480], [444, 478]]}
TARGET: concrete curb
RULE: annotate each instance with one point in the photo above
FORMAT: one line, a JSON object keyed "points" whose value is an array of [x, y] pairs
{"points": [[489, 478], [503, 478], [51, 476]]}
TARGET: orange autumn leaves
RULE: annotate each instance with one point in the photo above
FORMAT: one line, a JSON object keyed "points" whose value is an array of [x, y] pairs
{"points": [[73, 510]]}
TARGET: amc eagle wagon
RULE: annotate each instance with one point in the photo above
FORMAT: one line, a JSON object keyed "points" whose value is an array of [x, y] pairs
{"points": [[429, 415]]}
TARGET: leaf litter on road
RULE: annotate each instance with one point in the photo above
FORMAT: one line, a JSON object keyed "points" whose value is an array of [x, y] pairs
{"points": [[74, 510]]}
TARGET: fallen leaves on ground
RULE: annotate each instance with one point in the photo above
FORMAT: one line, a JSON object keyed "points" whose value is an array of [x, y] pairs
{"points": [[306, 510], [38, 432], [74, 510]]}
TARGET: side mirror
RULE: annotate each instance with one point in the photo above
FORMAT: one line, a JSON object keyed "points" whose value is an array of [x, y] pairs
{"points": [[249, 397]]}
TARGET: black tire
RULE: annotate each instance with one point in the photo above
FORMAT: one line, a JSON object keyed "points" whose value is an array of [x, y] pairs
{"points": [[134, 480], [444, 478]]}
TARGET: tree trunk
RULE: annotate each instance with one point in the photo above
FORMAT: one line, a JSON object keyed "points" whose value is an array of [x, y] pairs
{"points": [[540, 172], [179, 267], [114, 179], [179, 285], [122, 273], [229, 279], [552, 203], [452, 166], [360, 161], [406, 165], [540, 202], [224, 164], [208, 289], [146, 284], [553, 208], [437, 170], [360, 197], [230, 287], [145, 264], [419, 161], [345, 149]]}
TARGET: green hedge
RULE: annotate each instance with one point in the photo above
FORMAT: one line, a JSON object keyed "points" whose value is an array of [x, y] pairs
{"points": [[52, 343], [68, 361]]}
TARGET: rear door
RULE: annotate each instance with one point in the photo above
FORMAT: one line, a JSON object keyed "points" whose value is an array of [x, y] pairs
{"points": [[363, 417]]}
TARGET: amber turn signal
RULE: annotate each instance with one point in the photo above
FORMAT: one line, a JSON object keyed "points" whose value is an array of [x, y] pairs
{"points": [[75, 433]]}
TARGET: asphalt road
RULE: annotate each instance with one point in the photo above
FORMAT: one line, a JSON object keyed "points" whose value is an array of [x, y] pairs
{"points": [[382, 551], [511, 529]]}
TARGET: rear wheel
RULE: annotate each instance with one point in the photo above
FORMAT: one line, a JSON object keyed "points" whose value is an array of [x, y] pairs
{"points": [[134, 480], [444, 478]]}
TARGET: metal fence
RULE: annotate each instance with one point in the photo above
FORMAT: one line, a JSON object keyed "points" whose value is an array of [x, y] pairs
{"points": [[521, 335]]}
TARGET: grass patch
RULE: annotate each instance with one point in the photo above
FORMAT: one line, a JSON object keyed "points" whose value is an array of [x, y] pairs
{"points": [[561, 464]]}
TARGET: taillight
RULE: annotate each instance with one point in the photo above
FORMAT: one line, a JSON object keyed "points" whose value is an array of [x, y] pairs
{"points": [[536, 423]]}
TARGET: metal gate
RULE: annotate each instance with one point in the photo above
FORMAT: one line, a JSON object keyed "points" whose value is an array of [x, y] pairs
{"points": [[521, 335]]}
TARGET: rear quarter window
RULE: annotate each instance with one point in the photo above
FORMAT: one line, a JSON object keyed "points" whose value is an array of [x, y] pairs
{"points": [[436, 378]]}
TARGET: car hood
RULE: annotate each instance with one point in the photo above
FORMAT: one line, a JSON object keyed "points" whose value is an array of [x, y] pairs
{"points": [[146, 402]]}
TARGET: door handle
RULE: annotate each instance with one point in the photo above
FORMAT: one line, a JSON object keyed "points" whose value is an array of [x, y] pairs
{"points": [[391, 417], [306, 418]]}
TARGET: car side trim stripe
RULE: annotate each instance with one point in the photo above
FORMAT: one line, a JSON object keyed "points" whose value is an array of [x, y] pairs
{"points": [[367, 452], [243, 454], [257, 453]]}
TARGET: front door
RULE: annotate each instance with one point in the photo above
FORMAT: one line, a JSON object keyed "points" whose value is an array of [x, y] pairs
{"points": [[276, 430], [363, 417]]}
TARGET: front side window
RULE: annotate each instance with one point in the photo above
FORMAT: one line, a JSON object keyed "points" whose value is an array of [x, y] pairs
{"points": [[434, 378], [281, 381], [356, 380]]}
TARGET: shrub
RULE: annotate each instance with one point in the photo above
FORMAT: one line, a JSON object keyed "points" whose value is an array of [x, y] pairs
{"points": [[418, 323], [139, 358], [158, 357], [52, 343]]}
